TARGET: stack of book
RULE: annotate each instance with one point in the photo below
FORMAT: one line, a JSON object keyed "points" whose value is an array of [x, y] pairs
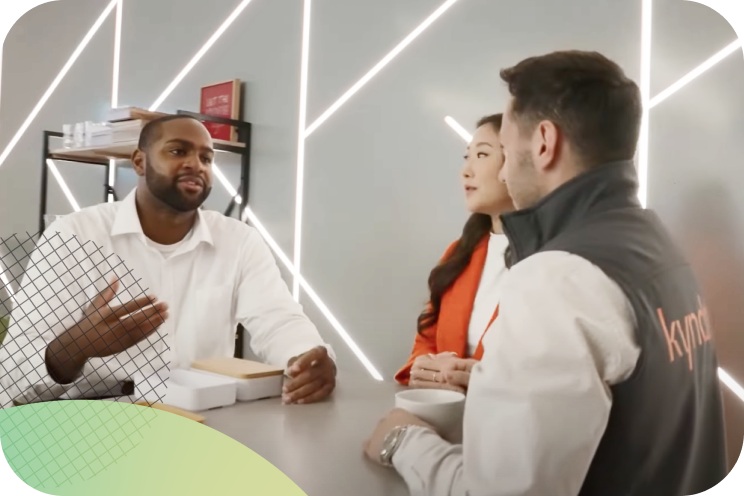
{"points": [[125, 123], [94, 134]]}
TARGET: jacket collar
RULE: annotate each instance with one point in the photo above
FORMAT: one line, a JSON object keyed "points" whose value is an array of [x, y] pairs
{"points": [[605, 187]]}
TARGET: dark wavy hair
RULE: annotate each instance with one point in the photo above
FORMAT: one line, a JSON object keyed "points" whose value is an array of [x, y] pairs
{"points": [[447, 271], [588, 96]]}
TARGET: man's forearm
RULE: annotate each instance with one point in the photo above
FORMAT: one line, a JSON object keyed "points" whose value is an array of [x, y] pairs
{"points": [[429, 464], [64, 359]]}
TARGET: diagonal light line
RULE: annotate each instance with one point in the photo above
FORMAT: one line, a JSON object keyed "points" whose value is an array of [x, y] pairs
{"points": [[57, 80], [195, 59], [340, 330], [300, 178], [645, 87], [6, 283], [226, 184], [461, 131], [62, 184], [731, 383], [250, 216], [696, 72], [379, 66]]}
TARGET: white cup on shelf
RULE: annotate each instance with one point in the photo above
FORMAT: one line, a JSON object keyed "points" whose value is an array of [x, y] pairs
{"points": [[79, 135], [67, 136]]}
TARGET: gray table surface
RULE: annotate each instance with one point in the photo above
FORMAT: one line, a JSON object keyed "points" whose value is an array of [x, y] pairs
{"points": [[318, 446]]}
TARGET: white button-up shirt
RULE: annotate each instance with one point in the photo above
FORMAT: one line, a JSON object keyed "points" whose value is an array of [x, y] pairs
{"points": [[222, 274], [539, 400]]}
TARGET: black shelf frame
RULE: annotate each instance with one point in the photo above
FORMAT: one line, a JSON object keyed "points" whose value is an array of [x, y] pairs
{"points": [[244, 137]]}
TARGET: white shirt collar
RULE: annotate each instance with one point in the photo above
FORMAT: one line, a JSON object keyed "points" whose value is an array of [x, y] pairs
{"points": [[127, 221]]}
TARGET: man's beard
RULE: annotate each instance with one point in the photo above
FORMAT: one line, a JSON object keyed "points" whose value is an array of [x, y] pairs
{"points": [[524, 189], [166, 190]]}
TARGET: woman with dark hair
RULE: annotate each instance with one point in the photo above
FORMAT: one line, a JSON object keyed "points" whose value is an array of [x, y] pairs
{"points": [[464, 286]]}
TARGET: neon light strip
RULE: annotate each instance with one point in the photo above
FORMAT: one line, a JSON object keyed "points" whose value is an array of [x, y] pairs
{"points": [[299, 190], [62, 184], [643, 141], [731, 383], [696, 72], [111, 178], [249, 215], [117, 56], [379, 66], [195, 59], [226, 184], [62, 73], [115, 87], [461, 131]]}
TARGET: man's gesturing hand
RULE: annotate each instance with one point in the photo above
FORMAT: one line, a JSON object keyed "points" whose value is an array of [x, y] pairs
{"points": [[103, 330]]}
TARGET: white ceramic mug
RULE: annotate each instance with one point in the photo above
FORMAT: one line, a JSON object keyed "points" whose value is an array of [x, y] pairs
{"points": [[441, 408]]}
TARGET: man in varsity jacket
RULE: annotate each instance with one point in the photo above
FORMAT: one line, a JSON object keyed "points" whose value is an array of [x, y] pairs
{"points": [[599, 376]]}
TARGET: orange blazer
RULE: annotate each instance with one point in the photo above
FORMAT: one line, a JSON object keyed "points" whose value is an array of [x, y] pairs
{"points": [[450, 332]]}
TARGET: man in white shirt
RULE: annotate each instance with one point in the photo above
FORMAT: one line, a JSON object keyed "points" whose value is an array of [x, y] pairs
{"points": [[82, 321], [599, 375]]}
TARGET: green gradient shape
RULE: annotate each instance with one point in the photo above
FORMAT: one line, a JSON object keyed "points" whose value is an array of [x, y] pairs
{"points": [[175, 455], [62, 442]]}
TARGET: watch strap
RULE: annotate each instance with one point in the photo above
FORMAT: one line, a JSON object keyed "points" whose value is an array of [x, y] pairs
{"points": [[390, 444]]}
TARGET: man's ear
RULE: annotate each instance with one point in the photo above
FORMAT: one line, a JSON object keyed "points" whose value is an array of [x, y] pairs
{"points": [[545, 144], [139, 160]]}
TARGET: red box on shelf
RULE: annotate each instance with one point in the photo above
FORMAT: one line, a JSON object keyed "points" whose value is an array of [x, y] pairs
{"points": [[221, 100]]}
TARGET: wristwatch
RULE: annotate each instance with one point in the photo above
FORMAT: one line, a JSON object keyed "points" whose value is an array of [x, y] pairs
{"points": [[390, 444]]}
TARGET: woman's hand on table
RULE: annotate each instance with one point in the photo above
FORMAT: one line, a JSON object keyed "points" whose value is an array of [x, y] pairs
{"points": [[441, 371]]}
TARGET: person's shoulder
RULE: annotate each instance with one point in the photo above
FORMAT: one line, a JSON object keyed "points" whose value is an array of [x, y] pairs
{"points": [[568, 284], [88, 221], [555, 270]]}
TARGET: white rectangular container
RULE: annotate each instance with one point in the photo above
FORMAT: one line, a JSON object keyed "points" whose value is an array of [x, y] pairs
{"points": [[259, 388], [254, 380], [196, 391]]}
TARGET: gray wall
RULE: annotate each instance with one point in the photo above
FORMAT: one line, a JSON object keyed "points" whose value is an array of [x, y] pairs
{"points": [[382, 198], [696, 173]]}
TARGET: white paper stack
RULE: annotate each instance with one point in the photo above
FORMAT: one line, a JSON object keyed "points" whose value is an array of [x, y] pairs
{"points": [[126, 131], [132, 113], [96, 134]]}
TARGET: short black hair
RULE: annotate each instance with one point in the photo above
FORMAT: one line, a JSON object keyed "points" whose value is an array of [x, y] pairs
{"points": [[152, 131], [494, 120], [588, 96]]}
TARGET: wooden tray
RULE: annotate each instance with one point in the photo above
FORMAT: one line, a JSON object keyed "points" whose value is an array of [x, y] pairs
{"points": [[172, 409], [237, 368]]}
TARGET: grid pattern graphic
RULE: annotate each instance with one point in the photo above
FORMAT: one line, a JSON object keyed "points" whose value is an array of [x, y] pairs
{"points": [[76, 305]]}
